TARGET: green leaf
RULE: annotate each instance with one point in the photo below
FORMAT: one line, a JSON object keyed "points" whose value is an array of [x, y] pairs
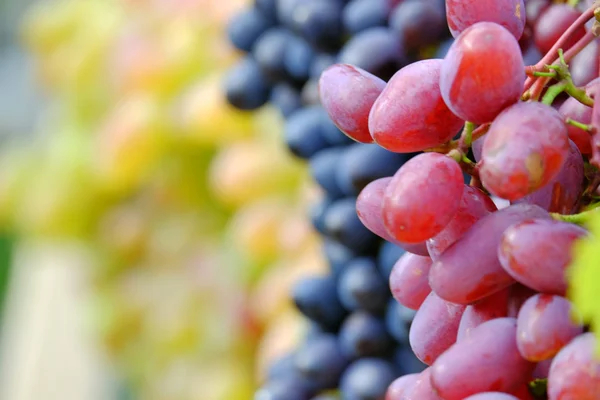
{"points": [[584, 276]]}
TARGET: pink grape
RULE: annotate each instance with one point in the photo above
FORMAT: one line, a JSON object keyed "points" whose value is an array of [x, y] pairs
{"points": [[544, 326], [522, 393], [422, 197], [518, 295], [542, 369], [483, 72], [562, 193], [492, 307], [573, 109], [422, 389], [369, 210], [347, 93], [575, 372], [474, 204], [434, 328], [398, 389], [492, 396], [536, 253], [469, 270], [477, 147], [552, 23], [410, 114], [487, 359], [517, 159], [409, 280], [508, 13], [584, 66]]}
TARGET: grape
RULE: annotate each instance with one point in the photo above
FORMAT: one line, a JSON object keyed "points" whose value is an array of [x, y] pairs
{"points": [[518, 295], [469, 270], [402, 385], [303, 132], [483, 72], [584, 66], [575, 373], [361, 286], [508, 13], [297, 58], [422, 389], [337, 255], [409, 280], [419, 23], [267, 7], [362, 164], [516, 160], [376, 50], [367, 379], [282, 367], [246, 26], [474, 204], [246, 86], [283, 389], [347, 93], [395, 323], [269, 51], [310, 93], [422, 197], [492, 396], [534, 8], [542, 369], [369, 210], [321, 362], [359, 15], [364, 335], [544, 326], [317, 299], [487, 359], [410, 114], [536, 253], [319, 22], [552, 23], [406, 361], [323, 167], [491, 307], [575, 110], [286, 98], [387, 256], [285, 11], [342, 224], [562, 193], [434, 328], [332, 135]]}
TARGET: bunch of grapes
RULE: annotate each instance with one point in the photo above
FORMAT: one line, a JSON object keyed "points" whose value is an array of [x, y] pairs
{"points": [[486, 267]]}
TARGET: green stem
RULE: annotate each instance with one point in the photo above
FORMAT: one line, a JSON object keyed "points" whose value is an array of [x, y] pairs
{"points": [[579, 219], [578, 94], [580, 125], [466, 137], [573, 3], [546, 74], [552, 92]]}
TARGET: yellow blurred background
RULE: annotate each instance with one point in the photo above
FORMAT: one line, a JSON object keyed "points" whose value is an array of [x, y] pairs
{"points": [[150, 233]]}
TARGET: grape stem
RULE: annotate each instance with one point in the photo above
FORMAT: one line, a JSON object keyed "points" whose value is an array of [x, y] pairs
{"points": [[468, 166], [580, 125], [579, 219], [466, 137]]}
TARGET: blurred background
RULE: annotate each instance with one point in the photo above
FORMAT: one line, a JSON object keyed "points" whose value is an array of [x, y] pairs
{"points": [[149, 233]]}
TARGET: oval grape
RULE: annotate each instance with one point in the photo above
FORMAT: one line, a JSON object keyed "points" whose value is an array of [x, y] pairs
{"points": [[508, 13], [409, 280]]}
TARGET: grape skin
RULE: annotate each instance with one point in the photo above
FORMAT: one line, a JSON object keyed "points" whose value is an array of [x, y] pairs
{"points": [[347, 93], [422, 197], [544, 326], [552, 23], [562, 193], [422, 389], [494, 306], [536, 253], [434, 328], [487, 359], [474, 204], [516, 159], [410, 114], [573, 109], [508, 13], [482, 73], [399, 388], [409, 280], [492, 396], [574, 373], [469, 270]]}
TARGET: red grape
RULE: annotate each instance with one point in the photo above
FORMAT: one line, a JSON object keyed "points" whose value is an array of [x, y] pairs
{"points": [[492, 396], [409, 280], [573, 109], [494, 306], [552, 23], [422, 389], [584, 66], [544, 326], [422, 197], [482, 73], [575, 372], [347, 93], [517, 159], [474, 204], [508, 13], [487, 359], [410, 114], [536, 253], [434, 328], [469, 270], [398, 389]]}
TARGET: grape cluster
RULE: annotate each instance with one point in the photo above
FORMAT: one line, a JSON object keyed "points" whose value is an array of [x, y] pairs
{"points": [[486, 263], [358, 342]]}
